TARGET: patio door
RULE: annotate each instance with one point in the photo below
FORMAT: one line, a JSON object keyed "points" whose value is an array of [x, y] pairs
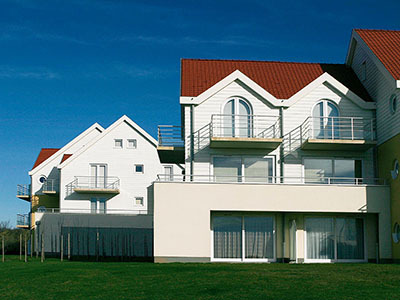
{"points": [[98, 176], [292, 241], [237, 119]]}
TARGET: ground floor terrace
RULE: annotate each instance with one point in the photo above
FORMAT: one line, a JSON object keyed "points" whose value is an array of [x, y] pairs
{"points": [[215, 222]]}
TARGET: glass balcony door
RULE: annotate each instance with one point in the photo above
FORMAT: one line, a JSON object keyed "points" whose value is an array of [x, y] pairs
{"points": [[237, 120], [98, 176], [325, 120]]}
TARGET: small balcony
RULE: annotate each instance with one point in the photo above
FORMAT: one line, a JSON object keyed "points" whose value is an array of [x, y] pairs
{"points": [[245, 132], [50, 187], [23, 221], [24, 191], [170, 144], [338, 133], [94, 185]]}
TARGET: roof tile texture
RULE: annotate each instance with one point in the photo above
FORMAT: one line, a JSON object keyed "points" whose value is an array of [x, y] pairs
{"points": [[44, 154], [385, 44], [281, 79]]}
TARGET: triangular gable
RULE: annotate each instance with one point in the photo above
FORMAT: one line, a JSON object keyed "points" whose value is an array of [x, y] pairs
{"points": [[57, 154], [237, 75], [124, 118]]}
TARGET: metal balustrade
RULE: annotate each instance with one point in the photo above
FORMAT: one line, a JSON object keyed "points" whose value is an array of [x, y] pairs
{"points": [[23, 190], [93, 183], [338, 128], [23, 220], [170, 136], [245, 126], [271, 179], [50, 186], [115, 211]]}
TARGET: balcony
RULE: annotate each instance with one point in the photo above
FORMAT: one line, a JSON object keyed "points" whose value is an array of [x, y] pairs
{"points": [[24, 191], [23, 221], [170, 144], [271, 180], [338, 133], [94, 185], [50, 187], [245, 131]]}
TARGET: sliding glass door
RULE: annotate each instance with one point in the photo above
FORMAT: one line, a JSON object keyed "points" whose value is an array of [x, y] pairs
{"points": [[334, 239], [243, 238]]}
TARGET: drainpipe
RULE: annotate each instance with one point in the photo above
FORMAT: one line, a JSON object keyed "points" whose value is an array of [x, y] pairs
{"points": [[191, 140], [281, 146]]}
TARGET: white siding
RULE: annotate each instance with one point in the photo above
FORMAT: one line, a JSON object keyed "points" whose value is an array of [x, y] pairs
{"points": [[120, 163], [380, 89]]}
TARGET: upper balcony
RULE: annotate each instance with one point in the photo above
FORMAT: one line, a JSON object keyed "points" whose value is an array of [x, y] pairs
{"points": [[94, 185], [23, 221], [24, 191], [338, 133], [245, 131], [50, 187], [170, 144]]}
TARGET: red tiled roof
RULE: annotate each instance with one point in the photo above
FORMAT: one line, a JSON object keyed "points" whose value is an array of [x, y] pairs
{"points": [[385, 44], [281, 79], [44, 154], [65, 157]]}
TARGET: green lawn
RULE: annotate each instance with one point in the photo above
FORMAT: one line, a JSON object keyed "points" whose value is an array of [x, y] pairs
{"points": [[89, 280]]}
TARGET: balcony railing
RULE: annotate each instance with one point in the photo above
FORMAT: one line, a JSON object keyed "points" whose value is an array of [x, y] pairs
{"points": [[170, 136], [23, 191], [116, 211], [245, 126], [271, 179], [94, 184], [338, 128], [23, 220], [50, 186]]}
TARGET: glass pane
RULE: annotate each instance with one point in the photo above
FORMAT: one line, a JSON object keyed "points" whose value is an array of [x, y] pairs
{"points": [[93, 205], [102, 206], [316, 170], [320, 238], [227, 237], [227, 169], [344, 168], [350, 238], [258, 169], [243, 120], [228, 120], [318, 120], [259, 237], [101, 178]]}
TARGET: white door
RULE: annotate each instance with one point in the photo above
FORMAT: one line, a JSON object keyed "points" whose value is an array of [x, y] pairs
{"points": [[237, 119]]}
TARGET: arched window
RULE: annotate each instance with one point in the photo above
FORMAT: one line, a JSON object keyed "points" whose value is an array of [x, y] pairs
{"points": [[325, 120], [237, 118]]}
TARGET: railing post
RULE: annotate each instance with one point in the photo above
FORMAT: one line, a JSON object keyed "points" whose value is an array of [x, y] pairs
{"points": [[352, 128]]}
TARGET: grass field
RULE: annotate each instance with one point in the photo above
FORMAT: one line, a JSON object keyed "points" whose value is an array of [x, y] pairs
{"points": [[89, 280]]}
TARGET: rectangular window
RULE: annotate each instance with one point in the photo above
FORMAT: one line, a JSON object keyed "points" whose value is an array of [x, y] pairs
{"points": [[330, 170], [335, 238], [243, 169], [98, 205], [243, 237], [139, 201], [93, 205], [102, 206], [169, 173], [139, 168], [118, 143], [132, 144]]}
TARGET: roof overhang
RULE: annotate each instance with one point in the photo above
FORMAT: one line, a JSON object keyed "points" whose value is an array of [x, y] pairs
{"points": [[325, 78]]}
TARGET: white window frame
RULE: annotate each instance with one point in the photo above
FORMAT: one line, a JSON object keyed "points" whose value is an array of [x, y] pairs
{"points": [[243, 259], [334, 217], [242, 157], [137, 165], [129, 141], [139, 205], [332, 158], [122, 143]]}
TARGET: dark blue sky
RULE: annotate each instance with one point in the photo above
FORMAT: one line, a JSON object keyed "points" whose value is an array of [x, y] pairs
{"points": [[67, 64]]}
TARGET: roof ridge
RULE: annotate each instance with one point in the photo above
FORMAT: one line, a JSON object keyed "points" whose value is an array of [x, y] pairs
{"points": [[261, 61], [377, 30]]}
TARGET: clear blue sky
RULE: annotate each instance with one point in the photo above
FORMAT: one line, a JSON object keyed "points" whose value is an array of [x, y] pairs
{"points": [[67, 64]]}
